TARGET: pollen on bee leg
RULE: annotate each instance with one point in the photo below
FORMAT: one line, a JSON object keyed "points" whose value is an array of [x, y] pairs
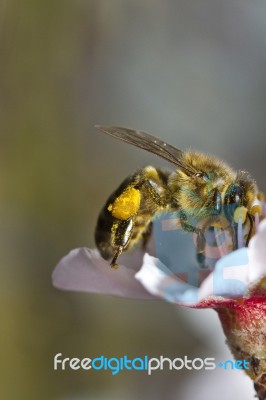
{"points": [[126, 205]]}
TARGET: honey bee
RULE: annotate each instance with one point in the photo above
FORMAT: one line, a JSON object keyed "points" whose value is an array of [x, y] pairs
{"points": [[200, 187]]}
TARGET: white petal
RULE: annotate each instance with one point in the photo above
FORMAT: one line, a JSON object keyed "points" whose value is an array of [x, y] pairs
{"points": [[235, 272], [229, 278], [257, 253], [86, 271], [160, 281]]}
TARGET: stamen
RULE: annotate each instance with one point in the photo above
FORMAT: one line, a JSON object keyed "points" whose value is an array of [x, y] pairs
{"points": [[257, 221], [220, 242], [251, 225], [240, 216], [257, 211], [240, 212], [263, 209], [262, 201], [240, 234]]}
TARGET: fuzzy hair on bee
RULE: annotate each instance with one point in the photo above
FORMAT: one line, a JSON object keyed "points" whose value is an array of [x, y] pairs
{"points": [[201, 186]]}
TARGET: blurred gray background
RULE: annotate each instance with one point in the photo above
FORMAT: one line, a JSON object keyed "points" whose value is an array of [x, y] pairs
{"points": [[191, 72]]}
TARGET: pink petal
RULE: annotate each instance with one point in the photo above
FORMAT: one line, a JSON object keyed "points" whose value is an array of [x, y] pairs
{"points": [[85, 270]]}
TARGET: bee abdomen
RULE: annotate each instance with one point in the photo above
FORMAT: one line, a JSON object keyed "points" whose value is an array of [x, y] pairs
{"points": [[115, 225], [127, 214]]}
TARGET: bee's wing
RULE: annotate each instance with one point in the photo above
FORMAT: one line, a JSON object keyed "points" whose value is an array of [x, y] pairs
{"points": [[147, 142]]}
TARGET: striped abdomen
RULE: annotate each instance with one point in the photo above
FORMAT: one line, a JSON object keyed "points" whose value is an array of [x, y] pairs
{"points": [[127, 214]]}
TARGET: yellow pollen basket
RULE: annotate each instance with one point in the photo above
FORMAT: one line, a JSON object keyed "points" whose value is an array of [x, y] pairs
{"points": [[126, 205], [240, 212]]}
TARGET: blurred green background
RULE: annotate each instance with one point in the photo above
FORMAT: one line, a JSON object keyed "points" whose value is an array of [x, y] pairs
{"points": [[191, 72]]}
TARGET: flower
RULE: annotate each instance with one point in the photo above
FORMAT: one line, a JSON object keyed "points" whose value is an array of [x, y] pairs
{"points": [[144, 276], [235, 288]]}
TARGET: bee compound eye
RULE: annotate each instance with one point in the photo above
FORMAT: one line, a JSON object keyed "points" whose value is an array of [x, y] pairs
{"points": [[233, 199], [234, 195]]}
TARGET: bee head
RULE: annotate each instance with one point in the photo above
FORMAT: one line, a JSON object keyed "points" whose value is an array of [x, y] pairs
{"points": [[210, 185], [240, 193]]}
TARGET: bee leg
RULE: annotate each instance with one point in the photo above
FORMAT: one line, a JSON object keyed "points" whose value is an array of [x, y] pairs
{"points": [[121, 233], [200, 243], [200, 248], [156, 197], [118, 251]]}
